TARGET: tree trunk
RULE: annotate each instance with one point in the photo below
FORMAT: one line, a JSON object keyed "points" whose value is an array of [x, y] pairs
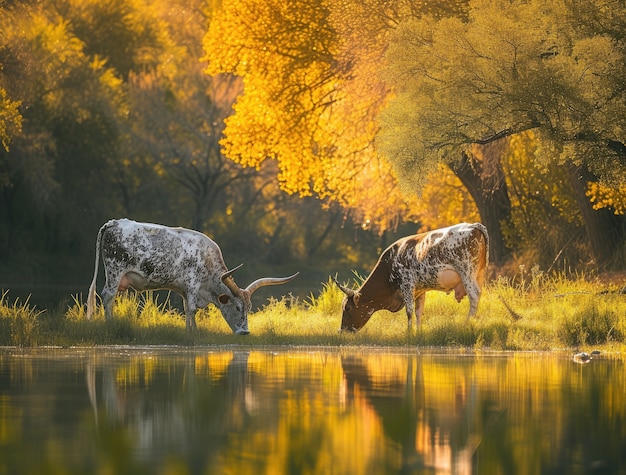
{"points": [[492, 199], [606, 230]]}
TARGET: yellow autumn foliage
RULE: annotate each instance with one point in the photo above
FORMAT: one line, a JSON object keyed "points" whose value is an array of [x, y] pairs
{"points": [[603, 195], [445, 200], [304, 106], [10, 119]]}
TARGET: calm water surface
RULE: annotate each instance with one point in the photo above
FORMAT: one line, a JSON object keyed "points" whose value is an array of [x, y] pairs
{"points": [[299, 411]]}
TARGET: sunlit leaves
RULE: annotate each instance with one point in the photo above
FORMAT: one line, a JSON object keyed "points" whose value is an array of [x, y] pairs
{"points": [[127, 33], [46, 64], [445, 201], [10, 120], [305, 104], [603, 195], [511, 67]]}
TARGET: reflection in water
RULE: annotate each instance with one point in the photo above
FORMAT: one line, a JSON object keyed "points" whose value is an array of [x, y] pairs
{"points": [[347, 411]]}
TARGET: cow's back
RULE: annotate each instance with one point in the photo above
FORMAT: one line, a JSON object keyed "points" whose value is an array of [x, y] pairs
{"points": [[465, 241], [421, 257], [161, 254], [134, 237]]}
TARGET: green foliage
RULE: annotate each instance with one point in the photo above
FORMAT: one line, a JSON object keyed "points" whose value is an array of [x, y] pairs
{"points": [[510, 66]]}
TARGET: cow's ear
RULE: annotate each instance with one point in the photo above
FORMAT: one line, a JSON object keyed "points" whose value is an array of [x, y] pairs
{"points": [[223, 299], [356, 298]]}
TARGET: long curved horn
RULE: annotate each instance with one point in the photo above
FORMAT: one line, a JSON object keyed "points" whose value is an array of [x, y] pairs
{"points": [[230, 283], [269, 281], [345, 290], [228, 273]]}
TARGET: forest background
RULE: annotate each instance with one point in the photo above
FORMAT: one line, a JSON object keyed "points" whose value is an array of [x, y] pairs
{"points": [[309, 135]]}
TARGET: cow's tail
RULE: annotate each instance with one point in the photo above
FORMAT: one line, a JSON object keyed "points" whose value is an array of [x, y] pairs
{"points": [[91, 297], [482, 228]]}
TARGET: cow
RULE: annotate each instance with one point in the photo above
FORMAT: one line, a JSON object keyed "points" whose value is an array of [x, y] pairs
{"points": [[148, 256], [452, 258]]}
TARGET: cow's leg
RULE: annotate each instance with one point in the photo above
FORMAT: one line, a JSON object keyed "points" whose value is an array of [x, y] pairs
{"points": [[473, 291], [407, 296], [190, 307], [108, 296], [116, 280], [419, 307]]}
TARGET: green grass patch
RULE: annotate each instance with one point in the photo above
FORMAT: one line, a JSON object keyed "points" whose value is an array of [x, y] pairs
{"points": [[530, 312]]}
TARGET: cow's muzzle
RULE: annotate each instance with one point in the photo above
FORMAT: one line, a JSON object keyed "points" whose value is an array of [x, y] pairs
{"points": [[241, 331], [350, 329]]}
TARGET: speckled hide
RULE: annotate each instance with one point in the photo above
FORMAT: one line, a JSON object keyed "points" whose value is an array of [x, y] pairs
{"points": [[151, 256], [448, 259]]}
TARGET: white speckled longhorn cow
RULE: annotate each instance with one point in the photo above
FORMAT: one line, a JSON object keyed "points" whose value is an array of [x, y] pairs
{"points": [[151, 256], [453, 258]]}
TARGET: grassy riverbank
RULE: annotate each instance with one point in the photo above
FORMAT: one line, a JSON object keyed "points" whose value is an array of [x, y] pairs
{"points": [[534, 312]]}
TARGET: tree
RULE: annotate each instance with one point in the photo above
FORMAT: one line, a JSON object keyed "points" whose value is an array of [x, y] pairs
{"points": [[176, 116], [10, 125], [305, 104], [543, 204], [485, 182], [445, 199], [117, 119], [511, 67], [64, 97], [129, 34]]}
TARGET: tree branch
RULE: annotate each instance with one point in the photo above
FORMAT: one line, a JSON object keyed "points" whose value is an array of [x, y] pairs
{"points": [[618, 147], [507, 133]]}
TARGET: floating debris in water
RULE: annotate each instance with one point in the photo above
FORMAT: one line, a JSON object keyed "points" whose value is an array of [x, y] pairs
{"points": [[584, 358]]}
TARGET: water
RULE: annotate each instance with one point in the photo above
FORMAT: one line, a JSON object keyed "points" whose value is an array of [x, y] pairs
{"points": [[298, 411]]}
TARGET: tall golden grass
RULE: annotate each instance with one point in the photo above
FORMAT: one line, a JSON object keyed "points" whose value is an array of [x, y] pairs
{"points": [[530, 312]]}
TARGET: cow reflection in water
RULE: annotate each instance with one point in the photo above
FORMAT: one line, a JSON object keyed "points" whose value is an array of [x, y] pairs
{"points": [[427, 438], [184, 415]]}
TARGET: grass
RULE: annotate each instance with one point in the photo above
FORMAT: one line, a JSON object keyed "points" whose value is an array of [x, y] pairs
{"points": [[530, 312], [19, 322]]}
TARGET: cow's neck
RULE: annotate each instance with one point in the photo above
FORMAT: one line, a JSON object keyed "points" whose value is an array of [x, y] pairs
{"points": [[378, 291]]}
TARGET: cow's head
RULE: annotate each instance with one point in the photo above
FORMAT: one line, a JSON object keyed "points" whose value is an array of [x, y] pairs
{"points": [[236, 303], [354, 316]]}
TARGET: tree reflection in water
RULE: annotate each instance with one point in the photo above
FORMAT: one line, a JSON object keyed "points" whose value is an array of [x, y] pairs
{"points": [[344, 411]]}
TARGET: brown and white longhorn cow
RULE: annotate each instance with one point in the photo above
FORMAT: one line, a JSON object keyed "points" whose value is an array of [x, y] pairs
{"points": [[453, 258], [151, 256]]}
